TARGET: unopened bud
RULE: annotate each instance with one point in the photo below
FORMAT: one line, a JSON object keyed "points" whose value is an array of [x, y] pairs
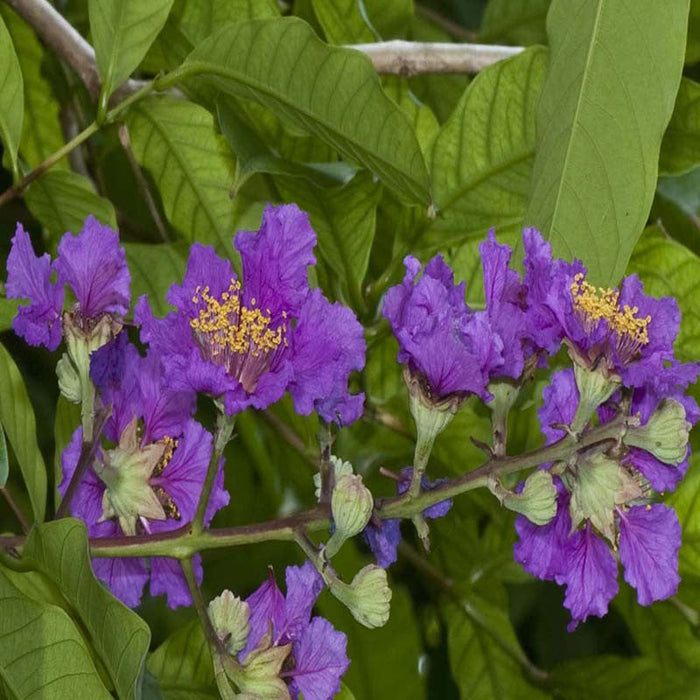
{"points": [[368, 597], [665, 434], [595, 387], [537, 501], [340, 468], [351, 504], [259, 676], [229, 617]]}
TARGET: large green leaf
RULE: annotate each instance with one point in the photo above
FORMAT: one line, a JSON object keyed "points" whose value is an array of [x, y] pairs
{"points": [[120, 638], [391, 18], [11, 98], [608, 96], [332, 93], [17, 418], [520, 22], [8, 311], [4, 463], [343, 21], [686, 503], [61, 200], [344, 218], [122, 32], [177, 143], [482, 157], [42, 653], [182, 664], [41, 131], [676, 208], [680, 149], [424, 121]]}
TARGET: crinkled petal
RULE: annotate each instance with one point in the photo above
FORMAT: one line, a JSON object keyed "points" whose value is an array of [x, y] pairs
{"points": [[384, 540], [328, 344], [560, 403], [304, 584], [94, 265], [276, 260], [650, 537], [168, 579], [29, 277], [662, 476], [590, 576], [126, 577], [320, 660], [267, 609]]}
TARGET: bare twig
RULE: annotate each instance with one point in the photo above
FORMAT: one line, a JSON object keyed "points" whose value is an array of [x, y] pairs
{"points": [[24, 523], [447, 25]]}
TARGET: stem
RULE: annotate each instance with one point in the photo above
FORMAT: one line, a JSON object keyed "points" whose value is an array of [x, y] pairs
{"points": [[325, 441], [222, 434], [24, 523], [87, 454]]}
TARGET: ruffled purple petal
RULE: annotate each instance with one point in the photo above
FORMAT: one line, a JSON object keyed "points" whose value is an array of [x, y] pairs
{"points": [[219, 496], [276, 260], [304, 584], [383, 540], [328, 344], [267, 609], [320, 660], [126, 577], [29, 277], [662, 476], [94, 266], [167, 579], [590, 576], [650, 537], [560, 403]]}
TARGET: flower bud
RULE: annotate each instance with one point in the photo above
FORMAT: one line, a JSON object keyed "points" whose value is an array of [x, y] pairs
{"points": [[229, 617], [537, 501], [595, 387], [367, 597], [665, 434], [351, 504]]}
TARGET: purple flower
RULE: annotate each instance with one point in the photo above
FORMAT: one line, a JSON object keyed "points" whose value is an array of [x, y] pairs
{"points": [[251, 340], [151, 481], [92, 264], [452, 350], [383, 537], [319, 657], [29, 277]]}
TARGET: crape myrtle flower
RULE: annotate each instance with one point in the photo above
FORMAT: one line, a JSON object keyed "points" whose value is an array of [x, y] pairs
{"points": [[92, 264], [250, 340], [383, 537], [318, 657], [151, 480], [605, 505]]}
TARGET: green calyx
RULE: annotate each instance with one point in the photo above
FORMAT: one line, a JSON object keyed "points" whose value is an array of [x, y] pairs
{"points": [[368, 597], [126, 471], [351, 505], [595, 387], [229, 617], [259, 676], [665, 434], [537, 501]]}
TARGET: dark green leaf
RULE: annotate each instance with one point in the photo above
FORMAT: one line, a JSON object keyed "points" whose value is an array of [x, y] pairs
{"points": [[59, 550], [8, 311], [11, 98], [42, 653], [4, 463], [680, 149], [692, 52], [61, 200], [391, 18], [122, 32], [677, 208], [332, 93], [607, 99], [17, 418], [519, 22]]}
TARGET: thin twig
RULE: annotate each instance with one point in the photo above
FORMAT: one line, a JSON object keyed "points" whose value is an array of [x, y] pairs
{"points": [[141, 181], [447, 25], [21, 519]]}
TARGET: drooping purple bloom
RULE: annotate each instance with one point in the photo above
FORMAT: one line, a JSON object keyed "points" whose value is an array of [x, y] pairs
{"points": [[248, 341], [92, 264], [453, 350], [150, 482], [319, 657], [29, 277], [384, 537]]}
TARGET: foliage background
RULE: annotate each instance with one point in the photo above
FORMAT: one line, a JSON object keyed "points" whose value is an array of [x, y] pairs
{"points": [[572, 136]]}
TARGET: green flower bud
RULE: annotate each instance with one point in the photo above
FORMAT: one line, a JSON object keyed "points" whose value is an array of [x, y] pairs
{"points": [[368, 597], [340, 468], [595, 387], [126, 471], [259, 676], [229, 617], [537, 501], [665, 434]]}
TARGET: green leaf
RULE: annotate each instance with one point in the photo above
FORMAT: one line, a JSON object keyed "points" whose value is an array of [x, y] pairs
{"points": [[343, 21], [482, 157], [686, 502], [154, 268], [122, 32], [605, 104], [17, 418], [680, 149], [42, 653], [344, 218], [8, 311], [668, 268], [345, 693], [176, 142], [677, 208], [4, 464], [41, 131], [421, 116], [692, 51], [11, 98], [391, 18], [61, 200], [332, 93], [59, 550], [182, 664], [519, 22]]}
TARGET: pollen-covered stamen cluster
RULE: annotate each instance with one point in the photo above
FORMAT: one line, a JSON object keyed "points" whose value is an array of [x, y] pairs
{"points": [[594, 304], [241, 339]]}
